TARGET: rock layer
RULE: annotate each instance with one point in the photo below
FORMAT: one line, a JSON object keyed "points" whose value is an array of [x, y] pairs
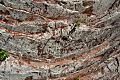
{"points": [[60, 39]]}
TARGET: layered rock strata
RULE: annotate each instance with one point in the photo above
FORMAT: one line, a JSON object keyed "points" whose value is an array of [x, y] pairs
{"points": [[60, 39]]}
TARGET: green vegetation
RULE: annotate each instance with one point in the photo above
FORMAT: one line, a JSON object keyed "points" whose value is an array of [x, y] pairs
{"points": [[77, 22], [79, 19], [77, 78], [3, 55], [2, 24]]}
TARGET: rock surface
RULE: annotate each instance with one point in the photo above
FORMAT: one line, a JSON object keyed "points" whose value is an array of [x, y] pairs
{"points": [[60, 39]]}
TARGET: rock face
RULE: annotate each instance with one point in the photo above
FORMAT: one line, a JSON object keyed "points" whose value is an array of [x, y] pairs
{"points": [[60, 39]]}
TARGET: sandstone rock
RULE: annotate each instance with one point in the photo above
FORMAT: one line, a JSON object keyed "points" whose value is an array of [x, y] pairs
{"points": [[46, 43]]}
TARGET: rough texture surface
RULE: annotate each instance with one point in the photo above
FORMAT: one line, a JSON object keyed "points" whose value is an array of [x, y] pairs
{"points": [[60, 39]]}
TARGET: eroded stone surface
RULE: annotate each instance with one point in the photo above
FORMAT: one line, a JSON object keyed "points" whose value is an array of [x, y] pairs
{"points": [[46, 43]]}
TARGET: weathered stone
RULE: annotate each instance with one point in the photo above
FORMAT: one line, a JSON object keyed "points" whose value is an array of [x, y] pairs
{"points": [[60, 39]]}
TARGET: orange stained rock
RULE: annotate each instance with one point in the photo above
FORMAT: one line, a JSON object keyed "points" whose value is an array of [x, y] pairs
{"points": [[37, 64]]}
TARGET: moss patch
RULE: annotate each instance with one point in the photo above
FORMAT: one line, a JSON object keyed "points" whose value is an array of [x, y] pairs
{"points": [[3, 55]]}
